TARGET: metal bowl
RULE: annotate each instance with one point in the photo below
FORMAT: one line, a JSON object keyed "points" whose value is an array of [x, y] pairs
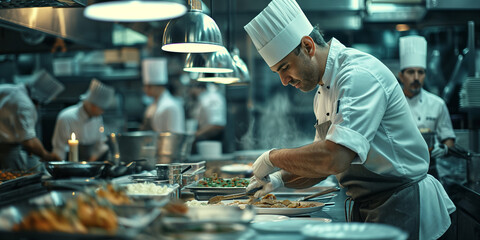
{"points": [[75, 169]]}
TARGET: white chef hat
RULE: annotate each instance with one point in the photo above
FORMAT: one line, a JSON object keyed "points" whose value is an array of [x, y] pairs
{"points": [[278, 29], [413, 52], [154, 71], [99, 94], [44, 87]]}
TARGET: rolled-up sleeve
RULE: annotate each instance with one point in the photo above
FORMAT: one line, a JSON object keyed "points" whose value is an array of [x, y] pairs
{"points": [[362, 103], [27, 118]]}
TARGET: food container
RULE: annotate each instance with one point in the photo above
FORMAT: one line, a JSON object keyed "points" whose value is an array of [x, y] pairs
{"points": [[75, 169], [145, 192], [202, 193], [352, 231], [130, 146]]}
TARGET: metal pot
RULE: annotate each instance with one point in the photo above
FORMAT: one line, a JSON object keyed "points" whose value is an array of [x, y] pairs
{"points": [[74, 169], [132, 146], [173, 147]]}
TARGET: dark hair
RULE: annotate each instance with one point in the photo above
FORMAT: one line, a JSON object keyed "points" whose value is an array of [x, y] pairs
{"points": [[317, 37]]}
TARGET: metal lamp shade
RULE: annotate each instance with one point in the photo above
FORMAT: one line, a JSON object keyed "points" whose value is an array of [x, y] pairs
{"points": [[216, 62], [135, 10], [194, 32]]}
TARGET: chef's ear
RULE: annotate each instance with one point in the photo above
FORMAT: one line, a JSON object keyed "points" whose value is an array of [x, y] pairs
{"points": [[309, 45]]}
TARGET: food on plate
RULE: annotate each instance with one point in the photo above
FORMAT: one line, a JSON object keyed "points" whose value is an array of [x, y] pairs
{"points": [[81, 215], [7, 175], [113, 195], [216, 181], [268, 201], [147, 188]]}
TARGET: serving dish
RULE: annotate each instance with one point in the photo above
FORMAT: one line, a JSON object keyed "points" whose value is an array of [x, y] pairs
{"points": [[353, 231], [130, 219], [202, 193], [64, 169]]}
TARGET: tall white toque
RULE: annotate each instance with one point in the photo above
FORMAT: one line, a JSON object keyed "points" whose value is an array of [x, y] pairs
{"points": [[100, 94], [154, 71], [278, 29], [413, 52]]}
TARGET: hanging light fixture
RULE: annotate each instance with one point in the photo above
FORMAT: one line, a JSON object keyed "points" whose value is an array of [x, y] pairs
{"points": [[216, 62], [239, 75], [135, 10], [194, 32]]}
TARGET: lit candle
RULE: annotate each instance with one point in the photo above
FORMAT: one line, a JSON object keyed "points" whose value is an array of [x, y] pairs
{"points": [[73, 154]]}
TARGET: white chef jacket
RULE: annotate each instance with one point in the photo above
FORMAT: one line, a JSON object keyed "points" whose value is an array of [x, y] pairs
{"points": [[18, 114], [88, 131], [430, 111], [169, 115], [370, 116], [212, 109]]}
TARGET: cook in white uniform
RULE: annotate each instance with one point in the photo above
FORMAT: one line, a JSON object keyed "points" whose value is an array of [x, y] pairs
{"points": [[165, 114], [429, 111], [365, 132], [209, 111], [86, 121], [18, 116]]}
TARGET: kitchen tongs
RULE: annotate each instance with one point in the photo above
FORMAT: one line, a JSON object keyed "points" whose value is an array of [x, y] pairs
{"points": [[327, 191], [217, 199]]}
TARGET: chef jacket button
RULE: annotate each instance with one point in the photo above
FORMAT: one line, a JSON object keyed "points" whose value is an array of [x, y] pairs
{"points": [[418, 118], [328, 114], [328, 87], [318, 92]]}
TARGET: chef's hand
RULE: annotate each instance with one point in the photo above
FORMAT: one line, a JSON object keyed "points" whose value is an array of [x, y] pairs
{"points": [[49, 157], [263, 166], [267, 186], [439, 150]]}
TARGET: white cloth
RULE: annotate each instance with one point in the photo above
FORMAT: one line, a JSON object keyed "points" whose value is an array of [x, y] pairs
{"points": [[368, 111], [413, 52], [169, 115], [88, 131], [430, 111], [18, 114], [278, 29], [212, 109]]}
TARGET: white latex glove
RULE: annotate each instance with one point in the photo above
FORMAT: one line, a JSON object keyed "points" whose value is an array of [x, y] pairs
{"points": [[263, 166], [274, 183], [439, 150]]}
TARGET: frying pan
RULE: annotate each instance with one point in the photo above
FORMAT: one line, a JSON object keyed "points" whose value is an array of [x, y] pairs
{"points": [[65, 169]]}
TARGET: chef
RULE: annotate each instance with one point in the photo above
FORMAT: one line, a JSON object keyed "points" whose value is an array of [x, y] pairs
{"points": [[365, 132], [18, 117], [165, 114], [429, 111], [85, 120], [209, 111]]}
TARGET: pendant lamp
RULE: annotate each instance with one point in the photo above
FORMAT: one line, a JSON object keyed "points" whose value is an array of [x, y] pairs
{"points": [[216, 62], [194, 32], [135, 10]]}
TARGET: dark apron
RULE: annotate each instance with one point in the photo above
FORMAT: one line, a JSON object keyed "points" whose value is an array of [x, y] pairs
{"points": [[85, 151], [380, 199], [13, 157]]}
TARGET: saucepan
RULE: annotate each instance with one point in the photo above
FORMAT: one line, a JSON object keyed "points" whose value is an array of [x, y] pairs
{"points": [[64, 169]]}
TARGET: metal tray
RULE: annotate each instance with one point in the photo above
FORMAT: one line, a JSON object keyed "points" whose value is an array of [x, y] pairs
{"points": [[205, 193], [131, 219], [20, 182]]}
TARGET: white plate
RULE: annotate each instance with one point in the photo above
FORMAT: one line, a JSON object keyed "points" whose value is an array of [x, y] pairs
{"points": [[287, 226], [269, 218], [353, 231]]}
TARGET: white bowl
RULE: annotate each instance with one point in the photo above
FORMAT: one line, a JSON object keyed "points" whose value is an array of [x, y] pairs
{"points": [[209, 149]]}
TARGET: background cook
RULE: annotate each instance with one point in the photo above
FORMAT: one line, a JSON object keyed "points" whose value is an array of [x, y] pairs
{"points": [[18, 117], [86, 121]]}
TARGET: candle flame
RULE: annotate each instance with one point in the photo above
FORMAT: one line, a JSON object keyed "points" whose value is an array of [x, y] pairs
{"points": [[73, 136]]}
